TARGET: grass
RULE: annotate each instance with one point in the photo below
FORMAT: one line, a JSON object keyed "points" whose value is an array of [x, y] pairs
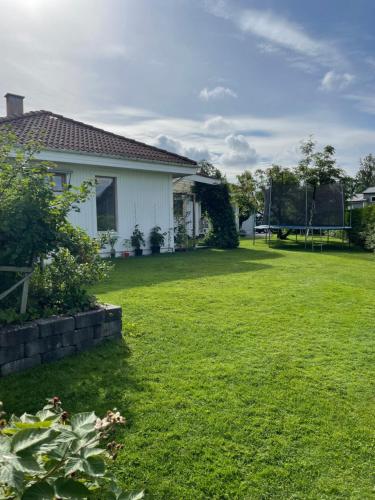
{"points": [[245, 374]]}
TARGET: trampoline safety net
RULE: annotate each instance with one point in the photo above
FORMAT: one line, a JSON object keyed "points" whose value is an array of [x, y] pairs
{"points": [[291, 205]]}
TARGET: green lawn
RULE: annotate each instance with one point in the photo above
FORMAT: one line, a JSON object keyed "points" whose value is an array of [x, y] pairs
{"points": [[246, 374]]}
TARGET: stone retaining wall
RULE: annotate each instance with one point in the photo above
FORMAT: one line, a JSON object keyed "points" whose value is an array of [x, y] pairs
{"points": [[46, 340]]}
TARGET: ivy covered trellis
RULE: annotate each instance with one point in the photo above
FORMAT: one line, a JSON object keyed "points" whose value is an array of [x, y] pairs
{"points": [[216, 203]]}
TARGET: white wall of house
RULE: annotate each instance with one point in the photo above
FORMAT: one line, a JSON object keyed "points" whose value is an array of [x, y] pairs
{"points": [[142, 197]]}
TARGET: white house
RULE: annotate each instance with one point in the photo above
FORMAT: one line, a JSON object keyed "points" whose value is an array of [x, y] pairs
{"points": [[367, 197], [134, 181]]}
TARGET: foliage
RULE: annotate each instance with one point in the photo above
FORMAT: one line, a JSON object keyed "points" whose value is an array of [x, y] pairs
{"points": [[181, 236], [318, 167], [368, 236], [137, 238], [60, 287], [31, 213], [56, 455], [365, 177], [216, 203], [245, 195], [361, 220], [157, 238], [109, 238], [127, 244], [257, 384], [33, 228]]}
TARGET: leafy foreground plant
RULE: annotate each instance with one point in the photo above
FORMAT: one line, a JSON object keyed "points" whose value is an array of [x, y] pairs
{"points": [[51, 455]]}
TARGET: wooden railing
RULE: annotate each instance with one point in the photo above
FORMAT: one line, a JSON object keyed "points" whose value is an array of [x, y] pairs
{"points": [[24, 281]]}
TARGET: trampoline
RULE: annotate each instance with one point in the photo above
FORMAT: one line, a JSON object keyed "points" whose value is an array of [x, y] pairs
{"points": [[311, 210]]}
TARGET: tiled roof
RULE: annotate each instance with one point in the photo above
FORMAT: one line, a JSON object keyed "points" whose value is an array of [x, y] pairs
{"points": [[64, 134]]}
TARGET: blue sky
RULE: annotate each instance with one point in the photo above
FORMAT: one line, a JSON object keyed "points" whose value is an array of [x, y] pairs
{"points": [[238, 82]]}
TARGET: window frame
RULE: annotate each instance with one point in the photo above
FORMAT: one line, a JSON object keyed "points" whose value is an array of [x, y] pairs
{"points": [[64, 183], [115, 203]]}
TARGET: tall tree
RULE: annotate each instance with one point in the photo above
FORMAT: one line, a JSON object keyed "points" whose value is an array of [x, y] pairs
{"points": [[366, 174], [318, 167], [245, 195]]}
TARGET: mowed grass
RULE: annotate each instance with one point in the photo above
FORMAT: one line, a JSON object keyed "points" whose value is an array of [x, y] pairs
{"points": [[244, 374]]}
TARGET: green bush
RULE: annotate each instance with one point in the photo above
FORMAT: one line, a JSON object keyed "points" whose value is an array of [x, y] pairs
{"points": [[53, 455], [368, 236], [60, 287], [362, 219], [34, 231]]}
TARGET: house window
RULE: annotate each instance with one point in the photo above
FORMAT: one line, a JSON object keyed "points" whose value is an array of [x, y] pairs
{"points": [[178, 207], [58, 182], [106, 203], [373, 199]]}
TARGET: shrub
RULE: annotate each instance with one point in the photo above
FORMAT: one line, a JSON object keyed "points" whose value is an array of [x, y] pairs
{"points": [[361, 219], [137, 238], [157, 238], [368, 236], [53, 455], [34, 229]]}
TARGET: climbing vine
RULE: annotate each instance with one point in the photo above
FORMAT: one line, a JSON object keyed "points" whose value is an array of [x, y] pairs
{"points": [[216, 203]]}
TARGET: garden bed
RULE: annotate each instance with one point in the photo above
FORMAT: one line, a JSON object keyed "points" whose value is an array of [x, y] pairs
{"points": [[31, 344]]}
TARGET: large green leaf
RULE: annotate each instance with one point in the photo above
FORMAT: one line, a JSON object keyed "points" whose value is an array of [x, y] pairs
{"points": [[4, 444], [39, 491], [28, 418], [11, 476], [68, 488], [33, 425], [83, 423], [26, 464], [94, 466], [45, 414], [73, 464], [91, 452], [31, 439]]}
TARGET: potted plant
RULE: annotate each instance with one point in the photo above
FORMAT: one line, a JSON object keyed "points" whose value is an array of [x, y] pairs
{"points": [[109, 238], [137, 241], [127, 246], [157, 239]]}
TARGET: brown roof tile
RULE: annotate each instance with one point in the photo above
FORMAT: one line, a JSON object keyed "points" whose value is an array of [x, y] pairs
{"points": [[61, 133]]}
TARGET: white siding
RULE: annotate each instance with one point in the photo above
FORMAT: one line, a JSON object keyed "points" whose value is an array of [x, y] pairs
{"points": [[143, 198]]}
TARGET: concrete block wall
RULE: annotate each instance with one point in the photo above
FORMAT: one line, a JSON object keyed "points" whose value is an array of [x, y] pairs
{"points": [[46, 340]]}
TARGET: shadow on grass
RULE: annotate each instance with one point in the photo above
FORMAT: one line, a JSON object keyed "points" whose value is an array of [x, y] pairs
{"points": [[97, 380], [198, 264]]}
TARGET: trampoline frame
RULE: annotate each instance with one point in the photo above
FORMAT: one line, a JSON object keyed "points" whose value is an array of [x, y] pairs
{"points": [[307, 228]]}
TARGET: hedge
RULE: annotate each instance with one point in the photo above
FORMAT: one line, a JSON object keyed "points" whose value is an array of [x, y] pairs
{"points": [[361, 217]]}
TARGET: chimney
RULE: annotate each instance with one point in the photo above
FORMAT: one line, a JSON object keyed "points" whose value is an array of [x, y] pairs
{"points": [[14, 104]]}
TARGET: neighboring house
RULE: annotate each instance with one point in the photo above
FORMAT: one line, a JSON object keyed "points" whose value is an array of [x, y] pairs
{"points": [[362, 199], [188, 210], [134, 181]]}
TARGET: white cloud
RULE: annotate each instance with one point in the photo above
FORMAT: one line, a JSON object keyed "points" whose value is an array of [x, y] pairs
{"points": [[336, 81], [276, 32], [365, 103], [216, 93], [217, 124], [175, 146], [239, 152]]}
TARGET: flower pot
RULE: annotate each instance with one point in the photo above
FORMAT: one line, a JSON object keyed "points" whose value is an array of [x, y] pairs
{"points": [[125, 254], [138, 252], [155, 249]]}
